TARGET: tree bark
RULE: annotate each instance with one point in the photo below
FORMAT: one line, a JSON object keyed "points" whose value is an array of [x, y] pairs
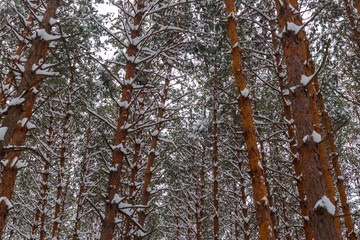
{"points": [[44, 188], [323, 156], [259, 188], [145, 196], [336, 165], [295, 53], [263, 160], [134, 169], [111, 208], [84, 170], [16, 134], [10, 76], [353, 21], [215, 162], [293, 143]]}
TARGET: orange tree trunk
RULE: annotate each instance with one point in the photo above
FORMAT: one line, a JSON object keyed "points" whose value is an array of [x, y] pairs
{"points": [[295, 51], [61, 171], [258, 181], [263, 160], [200, 210], [291, 135], [353, 20], [297, 165], [134, 169], [132, 189], [16, 134], [151, 158], [111, 208], [215, 162], [324, 160], [40, 211], [10, 76], [336, 165], [84, 169]]}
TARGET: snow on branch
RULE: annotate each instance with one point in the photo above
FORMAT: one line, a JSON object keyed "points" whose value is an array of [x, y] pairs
{"points": [[305, 81], [102, 119], [46, 36]]}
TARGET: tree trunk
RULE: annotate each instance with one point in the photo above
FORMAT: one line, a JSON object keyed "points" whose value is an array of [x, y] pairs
{"points": [[259, 188], [134, 170], [61, 171], [353, 21], [263, 160], [295, 53], [84, 169], [215, 162], [111, 208], [293, 143], [40, 211], [323, 156], [151, 157], [16, 134], [10, 76], [336, 165]]}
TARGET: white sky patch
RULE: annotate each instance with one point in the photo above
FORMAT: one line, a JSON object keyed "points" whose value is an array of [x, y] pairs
{"points": [[106, 8]]}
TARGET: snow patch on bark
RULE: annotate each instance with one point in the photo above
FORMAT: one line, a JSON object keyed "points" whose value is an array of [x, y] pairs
{"points": [[325, 202], [245, 92], [7, 202], [316, 136], [3, 132], [293, 27], [305, 80], [16, 101]]}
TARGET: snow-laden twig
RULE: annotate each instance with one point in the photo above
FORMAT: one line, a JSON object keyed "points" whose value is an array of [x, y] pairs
{"points": [[307, 80]]}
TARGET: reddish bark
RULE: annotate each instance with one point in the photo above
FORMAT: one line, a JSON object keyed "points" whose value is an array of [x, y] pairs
{"points": [[111, 208], [25, 33], [323, 156], [297, 165], [79, 203], [263, 160], [293, 143], [16, 134], [40, 211], [295, 53], [151, 158], [353, 20], [215, 162], [61, 172], [336, 165], [134, 171], [258, 180]]}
